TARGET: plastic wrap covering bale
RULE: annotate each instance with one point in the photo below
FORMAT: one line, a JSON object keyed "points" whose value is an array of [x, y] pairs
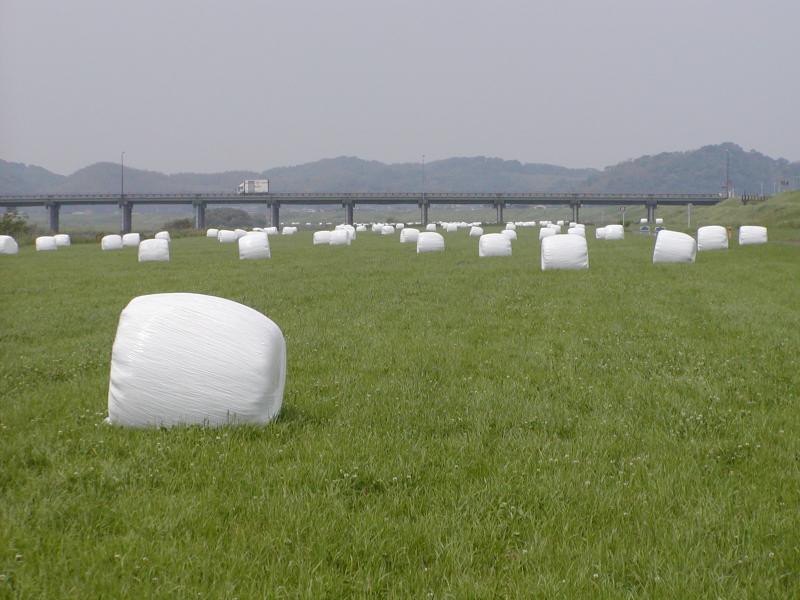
{"points": [[712, 237], [511, 226], [46, 243], [560, 223], [351, 231], [576, 231], [289, 230], [155, 250], [321, 238], [361, 229], [212, 233], [674, 247], [387, 230], [271, 230], [239, 233], [162, 235], [226, 236], [600, 233], [253, 246], [409, 235], [564, 251], [131, 240], [189, 359], [111, 242], [546, 232], [451, 227], [400, 226], [340, 237], [614, 232], [430, 241], [554, 227], [511, 234], [752, 234], [476, 231], [494, 244], [642, 221], [430, 227], [8, 245], [659, 221], [62, 240]]}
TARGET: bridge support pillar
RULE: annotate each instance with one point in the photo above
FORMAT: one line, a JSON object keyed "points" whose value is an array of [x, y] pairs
{"points": [[651, 213], [127, 216], [348, 213], [53, 210], [200, 215], [276, 215], [11, 210], [499, 207], [423, 214], [576, 213]]}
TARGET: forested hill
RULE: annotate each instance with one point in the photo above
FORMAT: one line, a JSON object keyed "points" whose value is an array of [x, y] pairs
{"points": [[701, 170]]}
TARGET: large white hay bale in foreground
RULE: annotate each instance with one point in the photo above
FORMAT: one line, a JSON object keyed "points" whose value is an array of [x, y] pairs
{"points": [[62, 240], [600, 233], [155, 250], [712, 237], [614, 232], [476, 231], [131, 240], [226, 236], [564, 251], [752, 234], [576, 231], [511, 234], [430, 241], [164, 235], [8, 245], [212, 233], [46, 243], [387, 230], [494, 244], [321, 238], [111, 242], [674, 247], [430, 227], [340, 237], [253, 246], [546, 232], [190, 359], [409, 235]]}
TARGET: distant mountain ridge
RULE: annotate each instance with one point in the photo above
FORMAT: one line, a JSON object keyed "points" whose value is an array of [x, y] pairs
{"points": [[701, 171]]}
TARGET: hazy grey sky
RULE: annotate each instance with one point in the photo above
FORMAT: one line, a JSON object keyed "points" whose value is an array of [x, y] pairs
{"points": [[191, 85]]}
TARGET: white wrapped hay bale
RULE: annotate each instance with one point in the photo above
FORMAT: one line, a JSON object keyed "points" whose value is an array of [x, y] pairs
{"points": [[554, 227], [576, 231], [253, 246], [476, 231], [387, 230], [111, 242], [430, 241], [46, 243], [163, 235], [288, 230], [239, 233], [340, 237], [614, 232], [642, 221], [226, 236], [560, 223], [400, 226], [511, 226], [361, 229], [430, 227], [659, 221], [494, 244], [546, 232], [712, 237], [190, 359], [674, 247], [511, 234], [600, 233], [321, 238], [131, 240], [155, 250], [351, 231], [451, 227], [752, 234], [271, 230], [212, 233], [8, 245], [564, 251], [409, 235], [62, 240]]}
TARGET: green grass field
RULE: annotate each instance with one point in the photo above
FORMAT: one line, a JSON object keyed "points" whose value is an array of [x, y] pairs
{"points": [[452, 427]]}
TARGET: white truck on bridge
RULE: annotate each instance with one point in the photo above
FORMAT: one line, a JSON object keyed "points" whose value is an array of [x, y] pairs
{"points": [[253, 186]]}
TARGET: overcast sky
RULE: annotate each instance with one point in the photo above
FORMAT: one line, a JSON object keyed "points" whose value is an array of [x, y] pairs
{"points": [[192, 85]]}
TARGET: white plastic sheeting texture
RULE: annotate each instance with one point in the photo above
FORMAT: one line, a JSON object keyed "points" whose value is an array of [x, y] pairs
{"points": [[253, 246], [131, 240], [476, 231], [494, 244], [674, 247], [545, 232], [163, 235], [226, 236], [62, 240], [361, 229], [340, 237], [212, 233], [8, 245], [577, 231], [712, 237], [321, 238], [752, 234], [399, 226], [659, 221], [451, 227], [271, 230], [600, 233], [387, 230], [289, 231], [511, 225], [45, 243], [430, 227], [614, 232], [155, 250], [409, 235], [430, 241], [194, 359], [511, 234], [564, 251], [111, 242]]}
